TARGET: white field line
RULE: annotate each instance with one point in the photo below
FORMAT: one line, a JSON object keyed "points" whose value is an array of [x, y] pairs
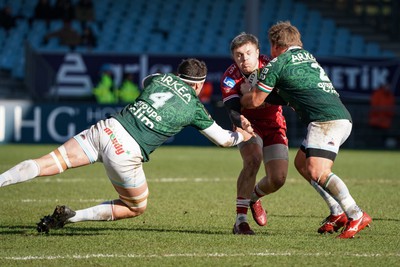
{"points": [[196, 255], [156, 180], [185, 179], [29, 200]]}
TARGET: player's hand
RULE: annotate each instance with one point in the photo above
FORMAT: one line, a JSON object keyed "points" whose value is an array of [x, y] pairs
{"points": [[246, 125], [246, 135]]}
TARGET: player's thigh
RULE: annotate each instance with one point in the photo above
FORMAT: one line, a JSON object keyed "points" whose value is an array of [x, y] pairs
{"points": [[251, 151], [318, 168], [276, 160], [75, 153], [122, 160], [325, 137], [68, 155]]}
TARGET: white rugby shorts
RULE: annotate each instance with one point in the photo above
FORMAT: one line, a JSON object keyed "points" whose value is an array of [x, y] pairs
{"points": [[327, 135], [108, 142]]}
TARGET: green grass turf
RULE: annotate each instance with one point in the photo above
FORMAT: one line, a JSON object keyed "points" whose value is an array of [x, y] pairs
{"points": [[191, 211]]}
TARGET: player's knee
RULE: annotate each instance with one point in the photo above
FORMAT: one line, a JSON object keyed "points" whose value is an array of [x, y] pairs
{"points": [[137, 205], [318, 175], [252, 161], [279, 179], [138, 208]]}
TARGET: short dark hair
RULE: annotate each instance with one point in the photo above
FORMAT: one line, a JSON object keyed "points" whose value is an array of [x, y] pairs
{"points": [[192, 70], [244, 38]]}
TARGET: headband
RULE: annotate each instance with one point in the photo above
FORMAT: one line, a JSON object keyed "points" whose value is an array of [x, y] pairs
{"points": [[191, 79]]}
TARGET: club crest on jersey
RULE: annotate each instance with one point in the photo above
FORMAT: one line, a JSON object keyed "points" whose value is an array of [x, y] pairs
{"points": [[229, 82]]}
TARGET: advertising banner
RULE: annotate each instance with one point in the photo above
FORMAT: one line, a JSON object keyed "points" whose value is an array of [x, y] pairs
{"points": [[76, 74], [27, 122]]}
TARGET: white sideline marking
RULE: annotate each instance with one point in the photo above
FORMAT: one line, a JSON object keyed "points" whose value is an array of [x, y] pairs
{"points": [[156, 180], [56, 200], [217, 255], [185, 179], [179, 180], [159, 180]]}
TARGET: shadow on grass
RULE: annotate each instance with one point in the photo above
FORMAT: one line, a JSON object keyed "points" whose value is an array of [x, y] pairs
{"points": [[92, 231], [30, 230], [302, 216]]}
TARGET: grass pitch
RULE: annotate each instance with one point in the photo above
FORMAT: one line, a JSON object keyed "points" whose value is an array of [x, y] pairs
{"points": [[191, 211]]}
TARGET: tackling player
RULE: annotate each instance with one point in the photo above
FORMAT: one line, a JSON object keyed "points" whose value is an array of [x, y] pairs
{"points": [[299, 79], [270, 144], [124, 141]]}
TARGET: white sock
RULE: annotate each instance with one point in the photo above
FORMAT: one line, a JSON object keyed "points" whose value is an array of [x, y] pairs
{"points": [[102, 212], [333, 205], [339, 191], [242, 205], [21, 172]]}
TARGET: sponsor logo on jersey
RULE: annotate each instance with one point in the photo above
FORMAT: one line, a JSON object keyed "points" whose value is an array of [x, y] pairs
{"points": [[229, 82], [117, 146], [180, 88], [302, 57], [143, 111]]}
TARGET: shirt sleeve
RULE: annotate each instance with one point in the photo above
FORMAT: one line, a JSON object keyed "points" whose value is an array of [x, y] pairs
{"points": [[269, 76], [222, 137]]}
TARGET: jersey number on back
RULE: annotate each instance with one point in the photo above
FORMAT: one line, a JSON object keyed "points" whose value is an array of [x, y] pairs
{"points": [[322, 74], [160, 99]]}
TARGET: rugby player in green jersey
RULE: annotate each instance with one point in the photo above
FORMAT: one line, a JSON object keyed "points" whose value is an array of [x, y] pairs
{"points": [[124, 141], [296, 76]]}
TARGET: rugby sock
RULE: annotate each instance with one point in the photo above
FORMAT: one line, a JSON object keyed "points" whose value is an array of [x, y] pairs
{"points": [[339, 191], [242, 205], [333, 205], [21, 172], [102, 212], [257, 193]]}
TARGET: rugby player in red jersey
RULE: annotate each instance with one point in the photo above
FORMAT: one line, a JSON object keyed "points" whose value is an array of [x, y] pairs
{"points": [[270, 145]]}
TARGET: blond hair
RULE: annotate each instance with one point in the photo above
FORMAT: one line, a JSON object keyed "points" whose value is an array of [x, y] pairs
{"points": [[284, 34]]}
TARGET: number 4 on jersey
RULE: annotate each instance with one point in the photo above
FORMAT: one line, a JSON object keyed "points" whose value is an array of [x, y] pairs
{"points": [[160, 99]]}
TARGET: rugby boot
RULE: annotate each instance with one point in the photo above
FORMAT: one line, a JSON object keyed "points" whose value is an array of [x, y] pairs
{"points": [[242, 229], [259, 214], [354, 226], [55, 221], [333, 223]]}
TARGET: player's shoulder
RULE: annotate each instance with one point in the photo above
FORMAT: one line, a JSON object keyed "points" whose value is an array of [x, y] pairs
{"points": [[231, 76], [232, 71], [149, 78]]}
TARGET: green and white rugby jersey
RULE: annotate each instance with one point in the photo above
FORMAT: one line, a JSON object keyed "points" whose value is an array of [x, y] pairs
{"points": [[301, 81], [164, 108]]}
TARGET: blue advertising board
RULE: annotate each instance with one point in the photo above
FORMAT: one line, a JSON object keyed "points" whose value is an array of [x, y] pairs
{"points": [[28, 122], [75, 74]]}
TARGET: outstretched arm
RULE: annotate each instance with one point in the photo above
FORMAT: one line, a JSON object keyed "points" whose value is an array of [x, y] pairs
{"points": [[226, 138]]}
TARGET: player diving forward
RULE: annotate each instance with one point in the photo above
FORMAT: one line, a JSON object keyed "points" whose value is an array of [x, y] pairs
{"points": [[124, 141]]}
